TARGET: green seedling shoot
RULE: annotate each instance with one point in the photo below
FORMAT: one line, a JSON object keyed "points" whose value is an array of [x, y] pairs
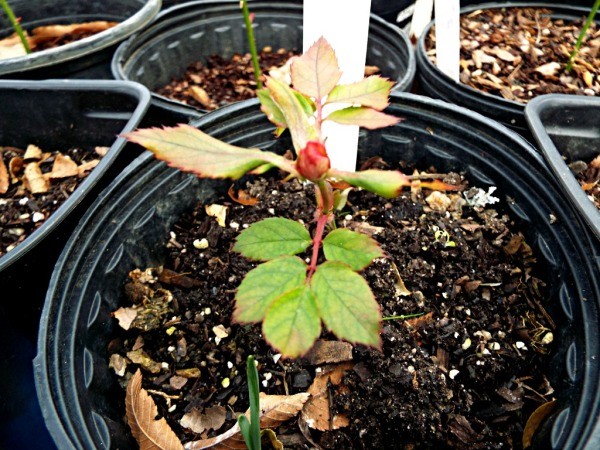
{"points": [[250, 429], [15, 24], [582, 33], [444, 237], [251, 42], [290, 297]]}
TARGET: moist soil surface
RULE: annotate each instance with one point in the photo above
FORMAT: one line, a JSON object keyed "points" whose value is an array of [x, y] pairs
{"points": [[465, 372], [22, 211], [220, 81], [520, 53]]}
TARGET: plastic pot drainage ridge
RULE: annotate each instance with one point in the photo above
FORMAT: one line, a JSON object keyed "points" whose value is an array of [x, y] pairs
{"points": [[434, 83], [84, 407], [186, 33]]}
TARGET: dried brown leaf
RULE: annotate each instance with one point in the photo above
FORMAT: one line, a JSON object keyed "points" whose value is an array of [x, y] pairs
{"points": [[417, 323], [15, 165], [535, 420], [34, 179], [316, 412], [212, 419], [141, 357], [242, 197], [173, 278], [33, 152], [63, 167], [401, 290], [4, 181], [74, 29], [274, 410], [548, 69], [151, 434], [101, 151], [329, 352], [200, 95], [87, 166], [125, 316]]}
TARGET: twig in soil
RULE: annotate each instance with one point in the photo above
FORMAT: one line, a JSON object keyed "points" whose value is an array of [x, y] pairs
{"points": [[403, 316]]}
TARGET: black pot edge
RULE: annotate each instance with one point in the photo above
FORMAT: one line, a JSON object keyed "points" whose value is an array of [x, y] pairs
{"points": [[137, 91], [181, 109], [553, 156], [474, 95]]}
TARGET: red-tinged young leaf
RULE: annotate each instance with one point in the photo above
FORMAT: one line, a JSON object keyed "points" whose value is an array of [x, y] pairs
{"points": [[372, 91], [363, 117], [270, 108], [438, 185], [264, 284], [292, 323], [346, 304], [293, 110], [317, 71], [387, 183], [271, 238], [191, 150], [355, 249]]}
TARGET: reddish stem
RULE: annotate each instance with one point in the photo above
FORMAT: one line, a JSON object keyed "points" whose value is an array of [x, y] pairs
{"points": [[316, 242], [324, 195]]}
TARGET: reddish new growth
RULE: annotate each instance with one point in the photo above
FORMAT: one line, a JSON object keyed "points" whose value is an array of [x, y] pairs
{"points": [[290, 297]]}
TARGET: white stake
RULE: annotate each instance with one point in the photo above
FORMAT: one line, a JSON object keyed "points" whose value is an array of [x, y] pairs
{"points": [[447, 37], [345, 25]]}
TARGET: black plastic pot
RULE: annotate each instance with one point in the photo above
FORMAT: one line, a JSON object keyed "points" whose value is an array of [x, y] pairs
{"points": [[130, 222], [53, 115], [434, 83], [87, 58], [190, 32], [567, 129]]}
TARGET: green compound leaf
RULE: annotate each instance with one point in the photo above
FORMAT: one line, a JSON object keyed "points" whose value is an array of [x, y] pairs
{"points": [[191, 150], [355, 249], [292, 323], [346, 304], [363, 117], [271, 238], [373, 91], [264, 284]]}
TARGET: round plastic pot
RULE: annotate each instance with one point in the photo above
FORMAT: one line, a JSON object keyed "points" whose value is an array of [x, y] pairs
{"points": [[567, 129], [130, 222], [434, 83], [57, 114], [191, 32], [86, 58]]}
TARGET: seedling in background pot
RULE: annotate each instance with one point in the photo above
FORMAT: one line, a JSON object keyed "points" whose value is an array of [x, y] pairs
{"points": [[15, 24], [290, 297]]}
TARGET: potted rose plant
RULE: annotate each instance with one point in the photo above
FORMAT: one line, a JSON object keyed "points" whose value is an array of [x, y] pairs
{"points": [[130, 219]]}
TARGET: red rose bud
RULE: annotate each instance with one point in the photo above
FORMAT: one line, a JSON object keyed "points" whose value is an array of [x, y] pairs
{"points": [[313, 162]]}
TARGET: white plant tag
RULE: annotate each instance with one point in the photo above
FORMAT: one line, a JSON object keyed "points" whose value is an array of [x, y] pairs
{"points": [[346, 26], [420, 18], [447, 37]]}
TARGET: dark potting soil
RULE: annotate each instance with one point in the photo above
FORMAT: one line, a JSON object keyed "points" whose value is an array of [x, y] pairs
{"points": [[520, 53], [220, 81], [466, 372], [22, 211]]}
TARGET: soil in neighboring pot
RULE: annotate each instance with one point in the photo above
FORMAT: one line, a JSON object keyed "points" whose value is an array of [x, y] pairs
{"points": [[34, 184], [51, 36], [221, 81], [588, 176], [520, 53], [465, 372]]}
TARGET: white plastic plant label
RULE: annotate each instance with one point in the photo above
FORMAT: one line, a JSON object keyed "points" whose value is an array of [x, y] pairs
{"points": [[346, 26], [447, 37]]}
